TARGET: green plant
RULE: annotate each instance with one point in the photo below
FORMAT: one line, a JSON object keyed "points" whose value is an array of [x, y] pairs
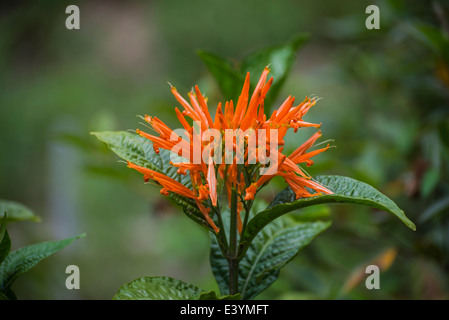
{"points": [[250, 240], [15, 263]]}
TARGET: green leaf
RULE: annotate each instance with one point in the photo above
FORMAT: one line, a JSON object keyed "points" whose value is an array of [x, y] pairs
{"points": [[5, 242], [9, 294], [270, 250], [229, 79], [212, 295], [23, 259], [280, 58], [308, 214], [17, 211], [5, 246], [3, 296], [157, 288], [138, 150], [437, 207], [443, 131], [435, 39], [346, 190], [429, 181]]}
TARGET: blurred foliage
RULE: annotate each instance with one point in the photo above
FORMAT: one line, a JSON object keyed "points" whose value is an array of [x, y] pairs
{"points": [[386, 106]]}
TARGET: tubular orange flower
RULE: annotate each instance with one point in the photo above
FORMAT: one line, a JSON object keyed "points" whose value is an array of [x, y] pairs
{"points": [[168, 183], [251, 157]]}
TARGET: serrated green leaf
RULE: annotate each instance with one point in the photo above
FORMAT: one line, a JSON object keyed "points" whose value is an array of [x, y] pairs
{"points": [[17, 211], [229, 79], [138, 150], [270, 250], [280, 58], [157, 288], [346, 190], [212, 295], [23, 259]]}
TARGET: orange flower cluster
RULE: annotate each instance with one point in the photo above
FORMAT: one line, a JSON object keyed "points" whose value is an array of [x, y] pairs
{"points": [[244, 177]]}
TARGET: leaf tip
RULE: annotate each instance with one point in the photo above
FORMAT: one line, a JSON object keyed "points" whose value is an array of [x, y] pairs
{"points": [[36, 219], [80, 236], [299, 39]]}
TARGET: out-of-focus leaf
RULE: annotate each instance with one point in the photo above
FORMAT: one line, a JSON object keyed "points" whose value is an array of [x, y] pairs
{"points": [[157, 288], [271, 250], [17, 211], [443, 130], [212, 295], [74, 140], [23, 259], [280, 58], [434, 38], [138, 150], [436, 208], [429, 181], [229, 79], [346, 190]]}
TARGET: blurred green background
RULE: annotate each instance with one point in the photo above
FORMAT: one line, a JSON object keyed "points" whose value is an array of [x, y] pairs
{"points": [[385, 103]]}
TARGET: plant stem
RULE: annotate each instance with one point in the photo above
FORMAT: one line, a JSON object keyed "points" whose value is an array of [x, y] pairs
{"points": [[221, 235], [233, 244], [233, 275], [247, 204], [248, 207]]}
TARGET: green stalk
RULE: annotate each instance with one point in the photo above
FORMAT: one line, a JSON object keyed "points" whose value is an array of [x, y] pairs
{"points": [[247, 204], [248, 207], [221, 235], [233, 247]]}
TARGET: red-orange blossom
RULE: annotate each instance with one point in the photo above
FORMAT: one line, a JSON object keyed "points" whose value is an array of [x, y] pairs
{"points": [[247, 114]]}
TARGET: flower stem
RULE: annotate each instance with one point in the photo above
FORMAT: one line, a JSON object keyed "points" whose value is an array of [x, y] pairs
{"points": [[233, 276], [233, 244]]}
